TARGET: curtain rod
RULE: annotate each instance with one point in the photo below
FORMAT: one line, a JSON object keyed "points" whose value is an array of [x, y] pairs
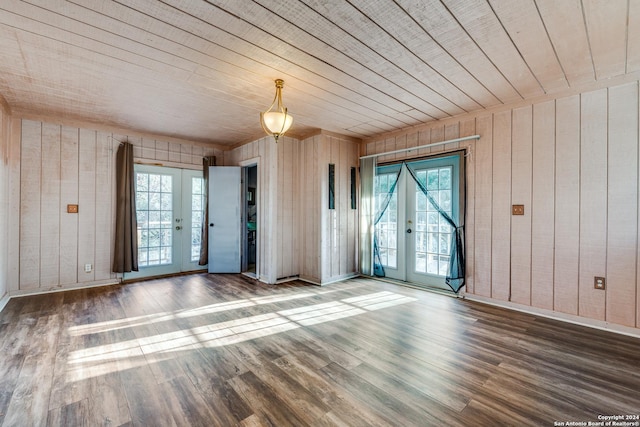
{"points": [[464, 138]]}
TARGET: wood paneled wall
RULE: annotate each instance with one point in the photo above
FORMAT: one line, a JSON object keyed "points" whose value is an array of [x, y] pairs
{"points": [[57, 165], [574, 163], [4, 203], [266, 154], [297, 234], [328, 236]]}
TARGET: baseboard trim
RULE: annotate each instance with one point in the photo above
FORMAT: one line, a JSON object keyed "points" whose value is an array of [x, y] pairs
{"points": [[569, 318], [334, 280], [38, 291], [3, 301]]}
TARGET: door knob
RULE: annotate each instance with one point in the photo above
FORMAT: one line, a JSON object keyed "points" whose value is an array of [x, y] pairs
{"points": [[178, 227], [409, 230], [211, 225]]}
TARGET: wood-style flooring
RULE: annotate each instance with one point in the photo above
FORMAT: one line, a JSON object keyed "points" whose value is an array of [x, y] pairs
{"points": [[225, 350]]}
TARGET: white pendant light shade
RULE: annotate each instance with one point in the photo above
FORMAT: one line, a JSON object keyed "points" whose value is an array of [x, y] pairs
{"points": [[278, 121]]}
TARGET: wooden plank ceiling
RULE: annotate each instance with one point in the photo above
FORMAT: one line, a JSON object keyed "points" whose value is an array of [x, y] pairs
{"points": [[203, 70]]}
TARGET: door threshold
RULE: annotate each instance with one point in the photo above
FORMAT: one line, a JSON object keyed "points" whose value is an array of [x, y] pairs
{"points": [[161, 276], [411, 285], [250, 274]]}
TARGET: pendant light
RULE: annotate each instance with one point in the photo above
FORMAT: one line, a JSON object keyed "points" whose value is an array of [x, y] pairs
{"points": [[276, 120]]}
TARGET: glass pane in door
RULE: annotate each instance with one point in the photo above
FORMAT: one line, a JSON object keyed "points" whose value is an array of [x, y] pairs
{"points": [[154, 209], [433, 233], [387, 227], [197, 213]]}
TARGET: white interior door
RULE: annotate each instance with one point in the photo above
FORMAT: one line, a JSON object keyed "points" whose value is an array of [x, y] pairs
{"points": [[225, 219], [414, 240]]}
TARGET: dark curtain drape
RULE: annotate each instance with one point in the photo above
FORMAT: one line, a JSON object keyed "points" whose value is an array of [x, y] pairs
{"points": [[204, 233], [125, 257]]}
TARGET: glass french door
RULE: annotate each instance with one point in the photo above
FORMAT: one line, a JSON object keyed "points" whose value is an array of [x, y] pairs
{"points": [[414, 240], [169, 206]]}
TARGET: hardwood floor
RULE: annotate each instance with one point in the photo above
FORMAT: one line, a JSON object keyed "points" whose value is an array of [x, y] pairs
{"points": [[227, 350]]}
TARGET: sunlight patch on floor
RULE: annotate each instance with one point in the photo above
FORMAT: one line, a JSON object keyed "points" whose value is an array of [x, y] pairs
{"points": [[99, 360]]}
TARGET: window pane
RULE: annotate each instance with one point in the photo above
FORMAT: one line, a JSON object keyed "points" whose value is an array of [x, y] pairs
{"points": [[155, 216], [197, 214]]}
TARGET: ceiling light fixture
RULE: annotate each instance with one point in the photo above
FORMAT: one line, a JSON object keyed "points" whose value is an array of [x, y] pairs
{"points": [[278, 121]]}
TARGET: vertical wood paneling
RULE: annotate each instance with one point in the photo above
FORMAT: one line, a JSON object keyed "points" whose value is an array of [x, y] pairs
{"points": [[103, 203], [424, 138], [87, 204], [451, 131], [622, 205], [437, 135], [633, 37], [344, 204], [501, 208], [161, 150], [4, 201], [543, 205], [68, 195], [468, 128], [326, 217], [567, 200], [288, 190], [50, 207], [593, 202], [483, 159], [15, 218], [354, 235], [30, 199], [57, 166], [148, 150], [412, 141], [312, 206], [521, 176]]}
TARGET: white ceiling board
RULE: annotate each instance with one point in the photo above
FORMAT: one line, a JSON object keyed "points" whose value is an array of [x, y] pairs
{"points": [[438, 22], [607, 31], [522, 22], [417, 42], [202, 70], [568, 36], [485, 28], [633, 37]]}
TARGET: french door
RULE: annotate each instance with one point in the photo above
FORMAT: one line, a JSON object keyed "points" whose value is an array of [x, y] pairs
{"points": [[414, 240], [169, 206]]}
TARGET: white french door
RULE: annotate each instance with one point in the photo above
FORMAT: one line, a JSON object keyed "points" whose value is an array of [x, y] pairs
{"points": [[169, 206], [414, 240]]}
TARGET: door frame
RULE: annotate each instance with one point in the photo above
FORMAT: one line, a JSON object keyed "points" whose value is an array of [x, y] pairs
{"points": [[178, 197], [254, 161], [401, 273]]}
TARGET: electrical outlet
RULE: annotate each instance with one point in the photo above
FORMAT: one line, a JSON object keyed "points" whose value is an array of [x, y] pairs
{"points": [[599, 282], [87, 268], [517, 210]]}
